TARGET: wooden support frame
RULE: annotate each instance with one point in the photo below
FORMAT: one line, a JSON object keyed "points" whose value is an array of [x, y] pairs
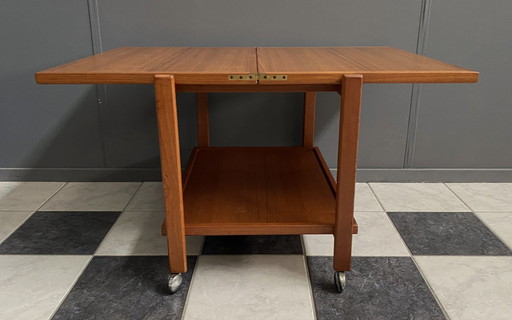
{"points": [[165, 94], [351, 92], [308, 131], [203, 135]]}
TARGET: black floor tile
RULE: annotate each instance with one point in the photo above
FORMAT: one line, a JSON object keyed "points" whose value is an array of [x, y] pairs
{"points": [[60, 233], [275, 244], [447, 233], [129, 287], [377, 288]]}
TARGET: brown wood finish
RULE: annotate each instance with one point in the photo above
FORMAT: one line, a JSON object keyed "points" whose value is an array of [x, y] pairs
{"points": [[211, 66], [165, 95], [351, 91], [308, 128], [257, 190], [203, 135], [377, 64], [141, 64]]}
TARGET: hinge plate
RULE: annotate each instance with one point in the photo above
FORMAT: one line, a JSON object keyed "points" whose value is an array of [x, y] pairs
{"points": [[258, 76]]}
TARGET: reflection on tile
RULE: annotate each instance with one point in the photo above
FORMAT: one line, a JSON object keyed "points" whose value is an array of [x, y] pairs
{"points": [[365, 199], [139, 233], [26, 196], [376, 237], [377, 288], [250, 287], [500, 223], [447, 233], [10, 221], [60, 233], [125, 288], [275, 244], [471, 287], [417, 197], [33, 286], [92, 196], [149, 197], [484, 196]]}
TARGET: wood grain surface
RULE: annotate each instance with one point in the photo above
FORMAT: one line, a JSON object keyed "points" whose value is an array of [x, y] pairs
{"points": [[212, 66]]}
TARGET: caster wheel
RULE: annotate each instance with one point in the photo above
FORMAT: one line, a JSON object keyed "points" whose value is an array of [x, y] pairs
{"points": [[174, 282], [340, 281]]}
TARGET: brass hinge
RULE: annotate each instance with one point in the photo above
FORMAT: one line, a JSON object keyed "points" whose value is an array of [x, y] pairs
{"points": [[258, 76]]}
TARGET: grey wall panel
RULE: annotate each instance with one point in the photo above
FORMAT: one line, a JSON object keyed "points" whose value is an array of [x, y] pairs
{"points": [[468, 125], [45, 126], [261, 23]]}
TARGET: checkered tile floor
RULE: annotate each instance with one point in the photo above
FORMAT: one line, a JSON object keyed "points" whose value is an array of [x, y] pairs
{"points": [[94, 251]]}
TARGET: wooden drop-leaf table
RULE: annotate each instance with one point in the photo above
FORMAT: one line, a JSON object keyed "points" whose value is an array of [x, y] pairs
{"points": [[257, 191]]}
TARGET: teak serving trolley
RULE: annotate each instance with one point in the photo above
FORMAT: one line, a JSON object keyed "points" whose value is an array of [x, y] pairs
{"points": [[257, 191]]}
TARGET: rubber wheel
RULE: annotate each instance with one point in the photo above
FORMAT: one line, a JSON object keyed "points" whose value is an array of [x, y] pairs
{"points": [[340, 281]]}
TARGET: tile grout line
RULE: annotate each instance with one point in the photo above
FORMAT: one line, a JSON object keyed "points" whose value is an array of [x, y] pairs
{"points": [[392, 224], [492, 229], [71, 286], [429, 286], [51, 196], [458, 197], [192, 280], [411, 256], [115, 222], [375, 197], [308, 276]]}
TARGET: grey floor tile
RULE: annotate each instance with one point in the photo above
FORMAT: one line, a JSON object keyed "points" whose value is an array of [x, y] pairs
{"points": [[484, 196], [500, 223], [149, 197], [120, 288], [377, 288], [417, 197], [60, 233], [32, 287], [447, 233], [471, 288], [365, 199], [139, 233], [10, 221], [250, 287], [92, 196], [376, 237], [276, 244], [26, 196]]}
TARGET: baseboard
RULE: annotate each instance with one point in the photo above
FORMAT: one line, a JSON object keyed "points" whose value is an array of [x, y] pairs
{"points": [[433, 175], [153, 174], [80, 174]]}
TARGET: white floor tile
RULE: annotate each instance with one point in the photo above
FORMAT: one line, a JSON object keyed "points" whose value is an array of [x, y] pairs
{"points": [[376, 237], [10, 221], [471, 287], [417, 197], [500, 223], [365, 199], [484, 196], [26, 196], [149, 197], [139, 233], [32, 287], [250, 287], [92, 196]]}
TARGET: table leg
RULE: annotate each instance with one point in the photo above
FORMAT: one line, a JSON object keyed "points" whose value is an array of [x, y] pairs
{"points": [[165, 94], [308, 129], [351, 90]]}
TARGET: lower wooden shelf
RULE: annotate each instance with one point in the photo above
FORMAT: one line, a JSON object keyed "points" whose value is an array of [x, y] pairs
{"points": [[249, 191]]}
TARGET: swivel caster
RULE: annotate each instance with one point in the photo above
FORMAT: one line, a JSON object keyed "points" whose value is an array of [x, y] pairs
{"points": [[340, 280], [174, 282]]}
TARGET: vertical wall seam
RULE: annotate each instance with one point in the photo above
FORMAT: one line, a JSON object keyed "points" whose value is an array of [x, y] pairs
{"points": [[414, 109], [101, 89]]}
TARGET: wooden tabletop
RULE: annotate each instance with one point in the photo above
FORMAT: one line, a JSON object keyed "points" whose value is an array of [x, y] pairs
{"points": [[225, 66]]}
